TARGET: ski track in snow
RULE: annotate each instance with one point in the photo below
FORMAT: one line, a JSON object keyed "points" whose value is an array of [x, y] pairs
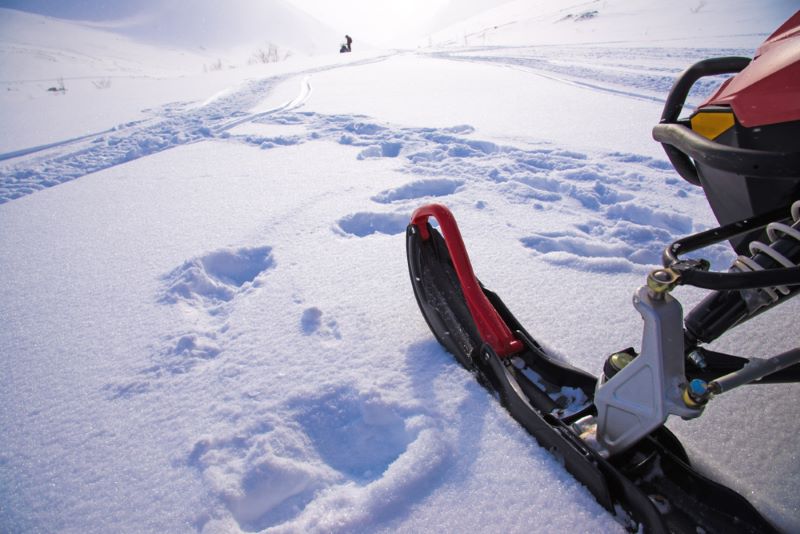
{"points": [[176, 124], [644, 73], [366, 450]]}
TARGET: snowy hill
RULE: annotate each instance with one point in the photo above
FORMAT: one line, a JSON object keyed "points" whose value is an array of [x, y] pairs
{"points": [[198, 24], [36, 47], [148, 38], [542, 22], [241, 23], [117, 70], [208, 324]]}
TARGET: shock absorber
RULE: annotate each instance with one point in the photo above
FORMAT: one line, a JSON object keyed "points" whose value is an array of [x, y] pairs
{"points": [[784, 239], [722, 310]]}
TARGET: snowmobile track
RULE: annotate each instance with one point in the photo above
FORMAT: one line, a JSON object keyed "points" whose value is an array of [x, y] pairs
{"points": [[26, 171]]}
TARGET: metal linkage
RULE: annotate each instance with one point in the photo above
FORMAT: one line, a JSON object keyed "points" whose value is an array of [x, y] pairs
{"points": [[640, 397], [756, 369]]}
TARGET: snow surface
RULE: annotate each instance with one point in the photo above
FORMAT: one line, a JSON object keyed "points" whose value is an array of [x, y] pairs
{"points": [[208, 324]]}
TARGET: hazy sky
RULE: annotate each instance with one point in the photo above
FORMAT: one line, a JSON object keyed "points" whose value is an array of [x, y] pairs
{"points": [[81, 9], [374, 21]]}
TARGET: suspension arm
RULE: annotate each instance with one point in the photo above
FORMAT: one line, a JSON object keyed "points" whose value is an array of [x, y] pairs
{"points": [[709, 365], [690, 273], [756, 369]]}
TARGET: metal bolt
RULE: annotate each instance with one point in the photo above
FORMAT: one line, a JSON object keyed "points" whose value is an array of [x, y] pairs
{"points": [[696, 393], [661, 276], [620, 360], [661, 281], [698, 387], [696, 357]]}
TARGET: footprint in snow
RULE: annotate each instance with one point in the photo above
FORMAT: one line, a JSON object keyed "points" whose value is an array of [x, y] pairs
{"points": [[583, 253], [217, 276], [261, 474], [329, 463], [362, 224], [178, 355], [204, 289], [382, 150], [598, 247], [312, 322], [649, 216], [358, 435], [419, 189]]}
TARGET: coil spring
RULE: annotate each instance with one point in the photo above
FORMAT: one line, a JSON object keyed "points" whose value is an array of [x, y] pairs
{"points": [[775, 231]]}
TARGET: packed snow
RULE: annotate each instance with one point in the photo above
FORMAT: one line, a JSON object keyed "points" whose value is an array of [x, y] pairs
{"points": [[208, 323]]}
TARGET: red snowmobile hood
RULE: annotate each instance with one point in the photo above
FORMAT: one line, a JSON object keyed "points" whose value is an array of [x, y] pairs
{"points": [[767, 91]]}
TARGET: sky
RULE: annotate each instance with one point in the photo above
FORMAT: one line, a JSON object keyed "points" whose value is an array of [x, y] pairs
{"points": [[376, 22], [78, 9]]}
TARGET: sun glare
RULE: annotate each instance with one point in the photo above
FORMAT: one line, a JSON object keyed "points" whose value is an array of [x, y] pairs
{"points": [[374, 21]]}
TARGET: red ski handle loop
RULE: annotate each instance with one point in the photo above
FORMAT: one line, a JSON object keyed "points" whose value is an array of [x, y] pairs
{"points": [[492, 329]]}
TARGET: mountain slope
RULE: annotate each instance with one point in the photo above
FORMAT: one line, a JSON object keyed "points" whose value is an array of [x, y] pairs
{"points": [[691, 22], [206, 23], [199, 24]]}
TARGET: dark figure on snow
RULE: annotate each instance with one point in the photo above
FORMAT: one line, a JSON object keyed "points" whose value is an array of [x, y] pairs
{"points": [[347, 47]]}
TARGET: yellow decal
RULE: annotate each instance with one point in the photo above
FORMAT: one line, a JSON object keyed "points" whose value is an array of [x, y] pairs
{"points": [[712, 124]]}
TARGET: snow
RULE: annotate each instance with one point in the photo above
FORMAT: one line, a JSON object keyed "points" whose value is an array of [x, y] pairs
{"points": [[695, 23], [208, 324]]}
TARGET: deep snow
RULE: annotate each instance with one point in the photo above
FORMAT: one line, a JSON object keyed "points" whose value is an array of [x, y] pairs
{"points": [[208, 324]]}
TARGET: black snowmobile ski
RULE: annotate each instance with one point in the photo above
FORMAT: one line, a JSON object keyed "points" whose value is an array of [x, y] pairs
{"points": [[651, 485]]}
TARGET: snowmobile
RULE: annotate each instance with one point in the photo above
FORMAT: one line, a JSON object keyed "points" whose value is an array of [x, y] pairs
{"points": [[740, 146]]}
